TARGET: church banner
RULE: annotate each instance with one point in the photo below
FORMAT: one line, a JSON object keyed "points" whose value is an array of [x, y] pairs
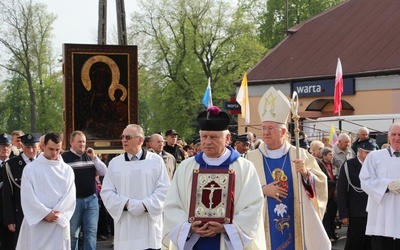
{"points": [[100, 92]]}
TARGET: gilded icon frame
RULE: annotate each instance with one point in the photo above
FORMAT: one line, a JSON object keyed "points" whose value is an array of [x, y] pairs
{"points": [[100, 92]]}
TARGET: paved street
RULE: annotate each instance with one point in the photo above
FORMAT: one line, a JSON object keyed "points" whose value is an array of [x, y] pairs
{"points": [[339, 245], [102, 245]]}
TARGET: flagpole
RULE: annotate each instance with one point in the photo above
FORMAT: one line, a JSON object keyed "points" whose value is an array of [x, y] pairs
{"points": [[294, 103]]}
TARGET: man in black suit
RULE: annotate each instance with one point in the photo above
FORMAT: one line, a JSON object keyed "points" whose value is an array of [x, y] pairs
{"points": [[352, 200], [12, 173], [5, 150]]}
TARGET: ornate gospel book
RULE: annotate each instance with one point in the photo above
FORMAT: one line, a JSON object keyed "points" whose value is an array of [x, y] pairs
{"points": [[212, 195]]}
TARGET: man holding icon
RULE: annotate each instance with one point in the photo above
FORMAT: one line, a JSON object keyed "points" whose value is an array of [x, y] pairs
{"points": [[86, 165]]}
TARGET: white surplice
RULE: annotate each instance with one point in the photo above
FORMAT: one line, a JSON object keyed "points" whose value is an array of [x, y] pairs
{"points": [[145, 181], [246, 231], [378, 170], [46, 185]]}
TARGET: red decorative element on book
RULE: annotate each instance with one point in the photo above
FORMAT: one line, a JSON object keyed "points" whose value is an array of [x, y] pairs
{"points": [[212, 195]]}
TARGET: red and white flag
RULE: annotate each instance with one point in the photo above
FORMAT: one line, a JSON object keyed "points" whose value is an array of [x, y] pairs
{"points": [[337, 103]]}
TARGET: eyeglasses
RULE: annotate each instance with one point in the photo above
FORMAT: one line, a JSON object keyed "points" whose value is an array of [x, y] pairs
{"points": [[270, 128], [128, 137]]}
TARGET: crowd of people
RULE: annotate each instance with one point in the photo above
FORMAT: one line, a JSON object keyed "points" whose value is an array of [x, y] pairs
{"points": [[223, 191]]}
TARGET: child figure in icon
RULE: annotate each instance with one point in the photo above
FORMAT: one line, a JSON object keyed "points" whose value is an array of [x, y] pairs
{"points": [[279, 175]]}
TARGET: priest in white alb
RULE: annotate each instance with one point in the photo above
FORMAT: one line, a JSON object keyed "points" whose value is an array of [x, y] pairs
{"points": [[47, 199], [204, 230], [133, 191], [380, 179], [295, 190]]}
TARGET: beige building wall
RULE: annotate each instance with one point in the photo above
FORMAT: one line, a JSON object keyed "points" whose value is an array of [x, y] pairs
{"points": [[364, 102]]}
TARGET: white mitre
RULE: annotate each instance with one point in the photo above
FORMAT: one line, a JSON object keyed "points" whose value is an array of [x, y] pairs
{"points": [[274, 106]]}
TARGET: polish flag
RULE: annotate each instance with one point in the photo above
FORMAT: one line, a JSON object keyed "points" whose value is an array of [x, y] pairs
{"points": [[337, 103]]}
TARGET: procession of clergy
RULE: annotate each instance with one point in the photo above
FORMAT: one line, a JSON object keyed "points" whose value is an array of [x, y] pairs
{"points": [[274, 197]]}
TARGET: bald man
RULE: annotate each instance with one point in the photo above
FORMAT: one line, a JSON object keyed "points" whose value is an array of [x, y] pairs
{"points": [[157, 144], [342, 151]]}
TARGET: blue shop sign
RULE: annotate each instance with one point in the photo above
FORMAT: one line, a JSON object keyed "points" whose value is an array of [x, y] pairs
{"points": [[323, 88]]}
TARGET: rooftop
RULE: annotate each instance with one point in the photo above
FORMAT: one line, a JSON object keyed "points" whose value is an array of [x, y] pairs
{"points": [[364, 34]]}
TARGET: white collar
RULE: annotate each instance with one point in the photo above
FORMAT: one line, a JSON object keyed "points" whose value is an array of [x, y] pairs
{"points": [[276, 153], [217, 161]]}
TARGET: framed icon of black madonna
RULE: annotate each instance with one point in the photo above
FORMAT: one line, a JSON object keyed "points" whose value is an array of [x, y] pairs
{"points": [[100, 92]]}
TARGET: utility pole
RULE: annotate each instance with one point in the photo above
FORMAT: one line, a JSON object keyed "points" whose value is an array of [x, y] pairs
{"points": [[102, 25], [287, 18], [122, 40]]}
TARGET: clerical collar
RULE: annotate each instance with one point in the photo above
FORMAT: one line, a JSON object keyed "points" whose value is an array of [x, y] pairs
{"points": [[276, 153], [217, 161], [138, 155]]}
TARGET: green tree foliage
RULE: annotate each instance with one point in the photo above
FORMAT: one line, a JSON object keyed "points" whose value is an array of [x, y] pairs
{"points": [[182, 43], [14, 105], [273, 24], [33, 84]]}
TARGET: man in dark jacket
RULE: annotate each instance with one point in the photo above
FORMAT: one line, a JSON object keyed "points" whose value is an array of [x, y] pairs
{"points": [[86, 166], [352, 200], [172, 147], [326, 165], [12, 174], [5, 150]]}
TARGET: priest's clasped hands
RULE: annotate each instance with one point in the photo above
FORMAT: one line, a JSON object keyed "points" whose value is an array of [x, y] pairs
{"points": [[135, 207], [209, 229], [52, 216], [394, 186]]}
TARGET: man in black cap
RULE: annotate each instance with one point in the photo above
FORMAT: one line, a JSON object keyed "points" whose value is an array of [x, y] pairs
{"points": [[245, 231], [12, 173], [197, 146], [172, 147], [242, 144], [5, 150], [352, 200], [362, 135]]}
